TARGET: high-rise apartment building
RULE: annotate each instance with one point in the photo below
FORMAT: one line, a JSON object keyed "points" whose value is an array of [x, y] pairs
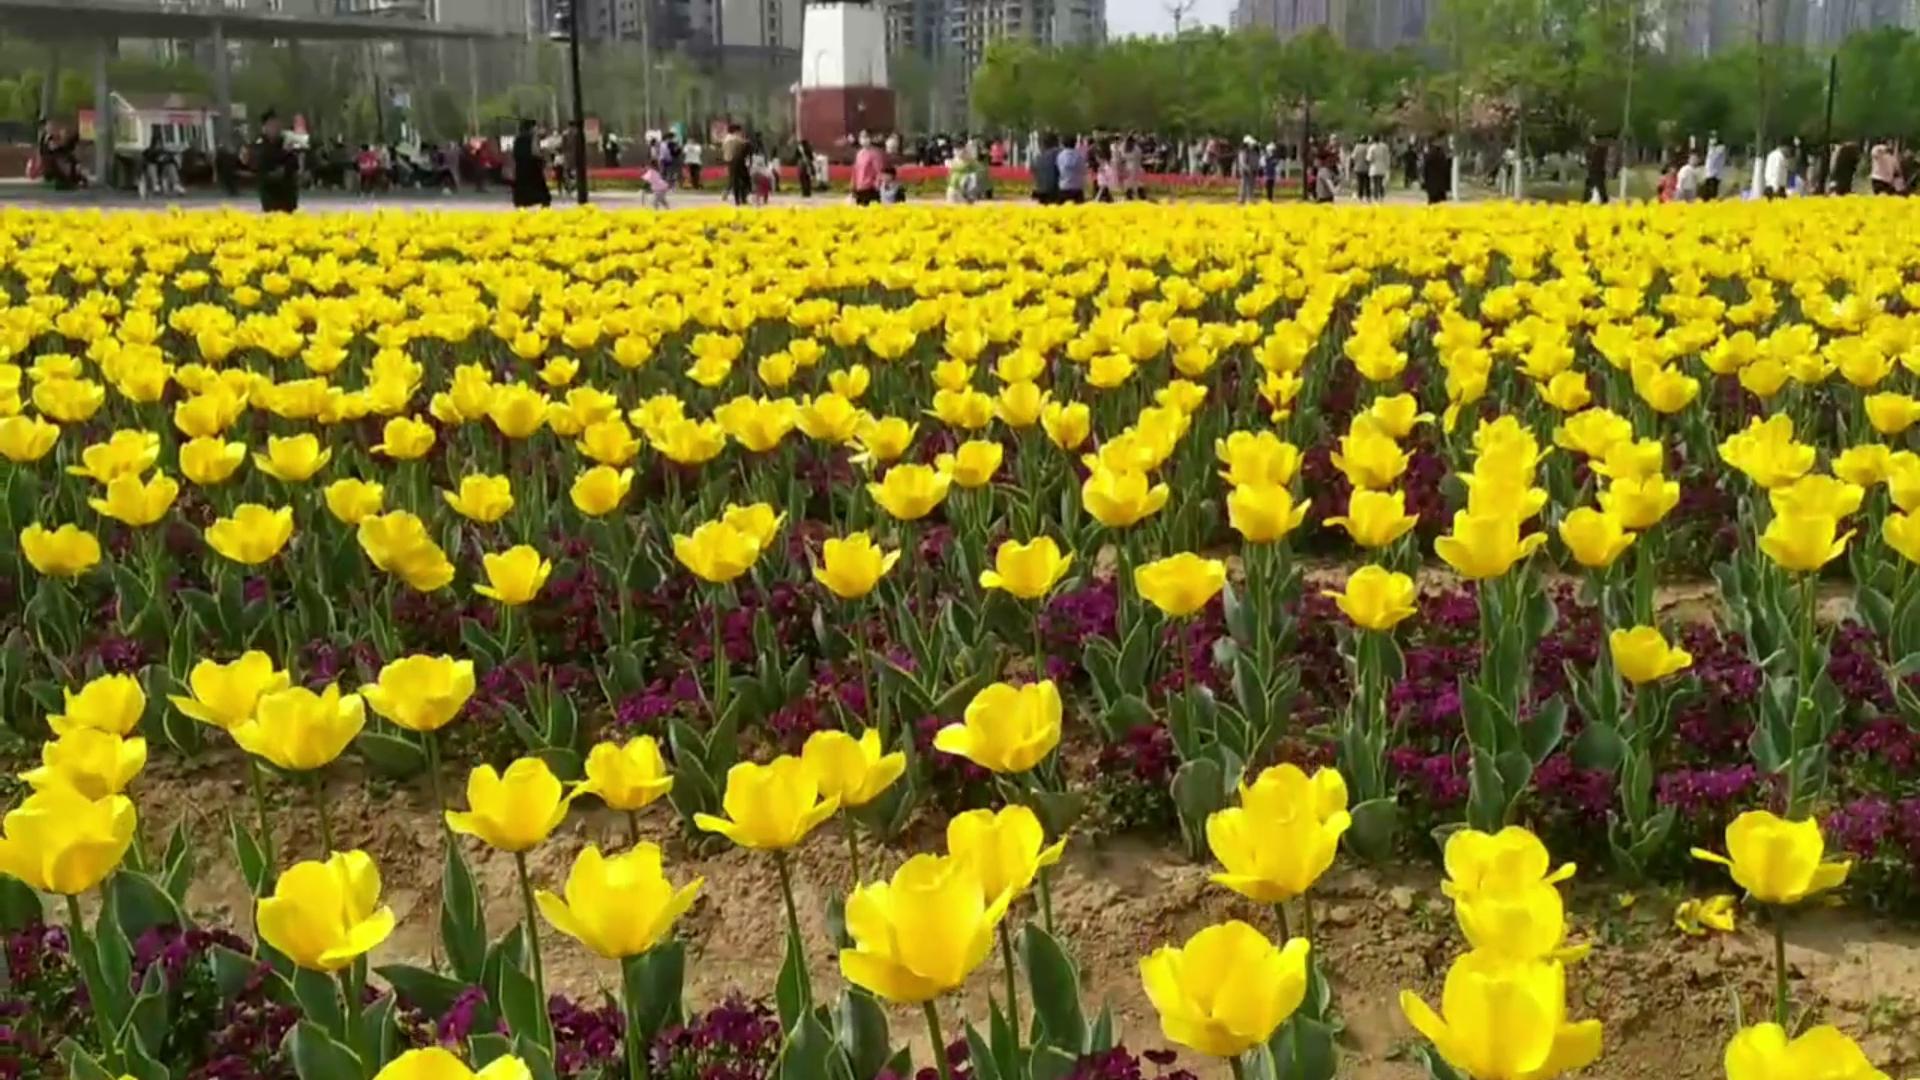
{"points": [[959, 31], [1707, 27], [1360, 24]]}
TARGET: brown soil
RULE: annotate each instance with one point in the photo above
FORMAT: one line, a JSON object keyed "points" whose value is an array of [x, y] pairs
{"points": [[1667, 1000]]}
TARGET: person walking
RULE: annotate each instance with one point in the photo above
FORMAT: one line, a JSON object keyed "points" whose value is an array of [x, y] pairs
{"points": [[1073, 171], [1379, 167], [1846, 165], [1687, 181], [733, 156], [1714, 169], [1596, 189], [1046, 171], [277, 166], [805, 154], [1246, 165], [868, 165], [529, 171], [693, 154], [1883, 168], [1436, 172], [1777, 174]]}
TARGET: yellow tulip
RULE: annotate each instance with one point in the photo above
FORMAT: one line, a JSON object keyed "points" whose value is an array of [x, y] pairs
{"points": [[397, 542], [111, 703], [1696, 917], [293, 459], [1502, 1020], [1397, 415], [689, 442], [252, 534], [1067, 424], [1763, 1052], [434, 1063], [1006, 729], [716, 552], [514, 576], [125, 453], [131, 502], [1593, 432], [1485, 546], [94, 763], [517, 410], [60, 841], [1892, 414], [910, 492], [67, 551], [829, 418], [1766, 452], [600, 490], [973, 464], [1566, 391], [225, 695], [770, 807], [512, 811], [1008, 848], [421, 693], [618, 906], [1369, 458], [1814, 495], [1804, 543], [851, 567], [1507, 861], [1182, 584], [758, 425], [1283, 836], [353, 501], [26, 439], [1121, 498], [298, 730], [854, 771], [627, 777], [1778, 861], [208, 462], [405, 439], [1257, 458], [851, 383], [922, 933], [1523, 923], [756, 521], [1375, 519], [1640, 504], [1642, 655], [1375, 598], [1902, 534], [1595, 538], [1028, 571], [324, 915], [1264, 513], [483, 499], [1865, 465], [883, 440], [1227, 990], [1020, 404]]}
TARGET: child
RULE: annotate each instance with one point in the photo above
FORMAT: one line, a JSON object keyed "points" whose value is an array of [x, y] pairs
{"points": [[762, 171], [657, 184], [891, 190]]}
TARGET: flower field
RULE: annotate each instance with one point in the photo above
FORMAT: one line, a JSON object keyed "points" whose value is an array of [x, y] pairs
{"points": [[1003, 645]]}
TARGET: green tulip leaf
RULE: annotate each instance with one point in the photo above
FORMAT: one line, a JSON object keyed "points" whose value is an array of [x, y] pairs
{"points": [[1055, 987], [318, 1056], [429, 991]]}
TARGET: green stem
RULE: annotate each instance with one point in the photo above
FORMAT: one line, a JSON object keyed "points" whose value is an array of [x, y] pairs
{"points": [[1006, 956], [876, 715], [353, 980], [533, 947], [633, 827], [320, 804], [1280, 914], [1306, 906], [1186, 658], [939, 1041], [719, 663], [1781, 1006], [793, 925], [90, 973], [1239, 1070], [258, 783], [853, 852], [433, 778]]}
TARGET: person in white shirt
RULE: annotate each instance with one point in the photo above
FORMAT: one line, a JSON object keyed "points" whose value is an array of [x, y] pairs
{"points": [[1379, 164], [1776, 175], [1686, 183], [1716, 167]]}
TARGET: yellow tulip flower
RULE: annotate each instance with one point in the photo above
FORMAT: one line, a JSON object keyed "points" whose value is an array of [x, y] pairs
{"points": [[1640, 504], [973, 464], [26, 439], [1522, 924], [225, 695], [910, 492], [421, 693], [882, 440], [94, 763], [252, 534], [1264, 513], [1483, 546], [131, 502], [1369, 458], [323, 915], [758, 425], [405, 439], [1282, 837], [618, 906], [1892, 414], [829, 418], [716, 552], [1502, 1020], [434, 1063], [1865, 465], [207, 462], [1007, 847], [1595, 538], [514, 576], [1766, 452], [59, 841], [1778, 861], [1566, 391], [1182, 584], [517, 410], [1507, 861], [851, 383], [293, 459], [483, 499], [512, 811], [1067, 424], [1227, 990], [770, 807], [1375, 519], [1375, 598], [1814, 495], [1593, 432], [397, 542], [1006, 729], [922, 933], [1028, 571], [111, 703], [600, 490], [125, 453], [65, 552], [1020, 404], [1257, 458], [353, 501], [299, 730], [1902, 534], [69, 401], [1764, 1052], [1120, 499], [854, 771], [756, 521], [1804, 543], [1642, 655], [628, 776], [850, 567]]}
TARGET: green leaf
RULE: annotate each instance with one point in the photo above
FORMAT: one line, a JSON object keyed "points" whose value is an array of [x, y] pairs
{"points": [[652, 984], [141, 904], [176, 865], [148, 1019], [806, 1053], [318, 1056], [486, 1049], [520, 1002], [1304, 1049], [252, 859], [429, 991], [1542, 734], [1375, 825], [80, 1064], [792, 990], [1599, 746], [391, 755], [319, 998], [1055, 989], [1049, 1062], [861, 1031], [534, 1053], [20, 906], [979, 1057], [463, 927], [377, 1038]]}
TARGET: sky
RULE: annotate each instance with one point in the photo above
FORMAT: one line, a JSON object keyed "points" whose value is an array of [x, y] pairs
{"points": [[1155, 17]]}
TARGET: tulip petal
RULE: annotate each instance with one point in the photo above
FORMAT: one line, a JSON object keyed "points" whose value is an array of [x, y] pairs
{"points": [[1575, 1046], [362, 937]]}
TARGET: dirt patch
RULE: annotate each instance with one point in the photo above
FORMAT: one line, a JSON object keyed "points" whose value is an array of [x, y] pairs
{"points": [[1668, 1001]]}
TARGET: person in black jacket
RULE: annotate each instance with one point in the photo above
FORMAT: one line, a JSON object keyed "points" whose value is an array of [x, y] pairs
{"points": [[277, 166], [529, 172], [1846, 163], [1436, 172]]}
